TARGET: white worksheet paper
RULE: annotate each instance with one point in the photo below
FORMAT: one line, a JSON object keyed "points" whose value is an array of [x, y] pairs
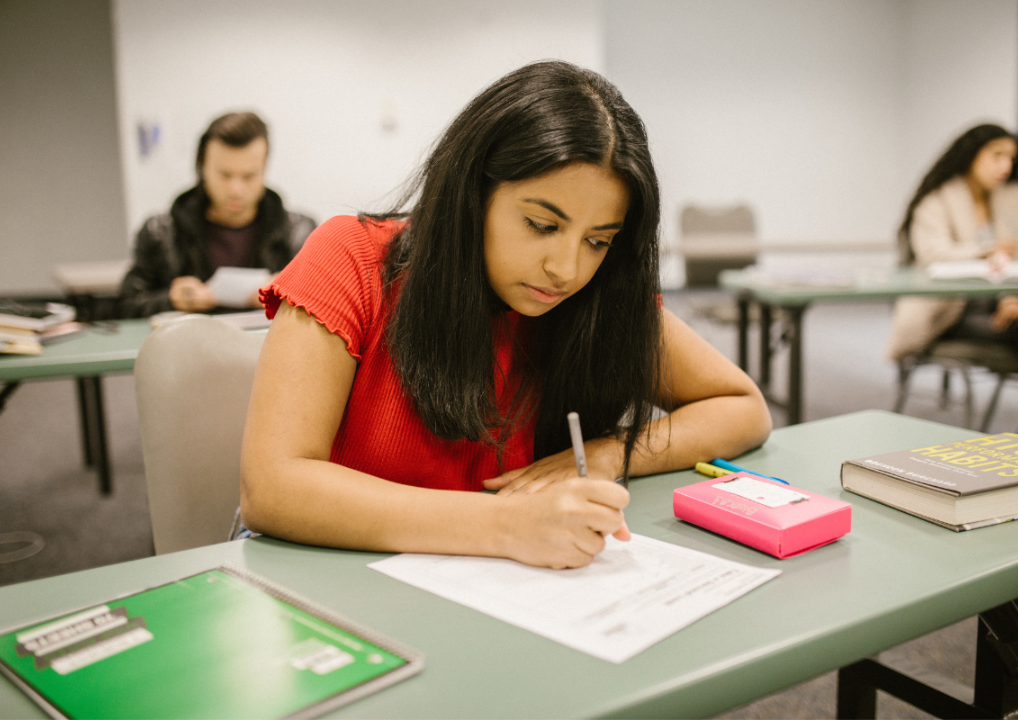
{"points": [[633, 595]]}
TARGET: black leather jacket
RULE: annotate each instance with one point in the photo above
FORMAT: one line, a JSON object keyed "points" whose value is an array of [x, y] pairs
{"points": [[173, 245]]}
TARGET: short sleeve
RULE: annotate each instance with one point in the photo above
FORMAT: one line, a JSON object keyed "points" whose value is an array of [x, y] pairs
{"points": [[336, 277]]}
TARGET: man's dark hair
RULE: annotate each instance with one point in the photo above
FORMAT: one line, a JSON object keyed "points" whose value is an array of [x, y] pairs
{"points": [[233, 129], [597, 352], [956, 160]]}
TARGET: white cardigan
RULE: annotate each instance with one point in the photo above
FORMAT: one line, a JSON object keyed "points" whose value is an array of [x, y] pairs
{"points": [[943, 229]]}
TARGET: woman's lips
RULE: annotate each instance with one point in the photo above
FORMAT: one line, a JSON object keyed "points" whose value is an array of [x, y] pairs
{"points": [[544, 295]]}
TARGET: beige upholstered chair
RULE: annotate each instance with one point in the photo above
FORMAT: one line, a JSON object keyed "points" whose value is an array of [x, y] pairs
{"points": [[193, 377], [962, 356]]}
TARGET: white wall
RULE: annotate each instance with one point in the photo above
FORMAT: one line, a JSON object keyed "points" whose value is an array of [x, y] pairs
{"points": [[821, 115], [354, 92], [790, 105], [961, 68]]}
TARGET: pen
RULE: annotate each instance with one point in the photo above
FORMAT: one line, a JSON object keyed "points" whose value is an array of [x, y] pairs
{"points": [[732, 467], [577, 437]]}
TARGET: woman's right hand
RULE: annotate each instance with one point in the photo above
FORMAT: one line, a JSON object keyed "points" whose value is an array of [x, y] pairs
{"points": [[563, 524]]}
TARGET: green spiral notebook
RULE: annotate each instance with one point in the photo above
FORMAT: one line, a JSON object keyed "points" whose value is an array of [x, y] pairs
{"points": [[224, 643]]}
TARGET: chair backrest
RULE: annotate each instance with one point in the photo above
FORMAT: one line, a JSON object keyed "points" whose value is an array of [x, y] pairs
{"points": [[699, 219], [715, 239], [193, 378]]}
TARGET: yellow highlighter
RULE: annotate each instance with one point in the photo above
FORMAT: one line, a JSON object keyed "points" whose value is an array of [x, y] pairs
{"points": [[711, 470]]}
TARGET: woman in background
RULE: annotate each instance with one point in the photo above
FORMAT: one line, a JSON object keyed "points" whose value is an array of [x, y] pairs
{"points": [[418, 358], [964, 209]]}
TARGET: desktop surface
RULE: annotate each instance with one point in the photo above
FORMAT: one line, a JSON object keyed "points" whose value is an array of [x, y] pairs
{"points": [[98, 349], [893, 578], [906, 281]]}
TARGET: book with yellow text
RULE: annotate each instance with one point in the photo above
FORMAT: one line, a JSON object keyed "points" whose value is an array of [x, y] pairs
{"points": [[961, 485]]}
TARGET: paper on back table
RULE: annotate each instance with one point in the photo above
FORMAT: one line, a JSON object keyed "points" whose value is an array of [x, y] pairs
{"points": [[630, 597]]}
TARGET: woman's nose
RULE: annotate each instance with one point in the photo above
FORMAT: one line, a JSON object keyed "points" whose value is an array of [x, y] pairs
{"points": [[563, 260]]}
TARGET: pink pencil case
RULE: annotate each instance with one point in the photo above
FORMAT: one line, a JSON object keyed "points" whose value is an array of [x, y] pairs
{"points": [[778, 519]]}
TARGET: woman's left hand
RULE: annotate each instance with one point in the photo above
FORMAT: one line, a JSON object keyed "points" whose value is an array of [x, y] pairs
{"points": [[604, 462]]}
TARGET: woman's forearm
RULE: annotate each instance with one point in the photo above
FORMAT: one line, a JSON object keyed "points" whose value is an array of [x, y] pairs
{"points": [[724, 426], [317, 502]]}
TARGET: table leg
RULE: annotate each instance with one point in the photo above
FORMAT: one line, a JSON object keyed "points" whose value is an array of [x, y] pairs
{"points": [[93, 426], [94, 420], [857, 693], [996, 690], [6, 391], [794, 319], [86, 422], [857, 696], [765, 346], [743, 303], [996, 686]]}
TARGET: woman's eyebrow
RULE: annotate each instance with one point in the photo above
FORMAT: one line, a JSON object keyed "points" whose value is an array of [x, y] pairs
{"points": [[548, 206], [553, 208]]}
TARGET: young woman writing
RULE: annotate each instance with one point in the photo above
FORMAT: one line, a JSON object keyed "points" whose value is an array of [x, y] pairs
{"points": [[964, 209], [415, 360]]}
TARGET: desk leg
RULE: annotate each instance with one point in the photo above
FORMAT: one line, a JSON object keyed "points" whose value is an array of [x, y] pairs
{"points": [[743, 302], [857, 695], [6, 391], [94, 429], [996, 690], [86, 422], [765, 346], [794, 314]]}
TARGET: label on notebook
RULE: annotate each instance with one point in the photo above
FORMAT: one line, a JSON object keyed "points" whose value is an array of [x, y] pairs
{"points": [[765, 493]]}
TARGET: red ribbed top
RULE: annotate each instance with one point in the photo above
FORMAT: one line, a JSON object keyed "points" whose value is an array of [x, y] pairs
{"points": [[337, 278]]}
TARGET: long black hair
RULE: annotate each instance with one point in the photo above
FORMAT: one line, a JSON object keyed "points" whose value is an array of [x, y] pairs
{"points": [[956, 160], [597, 352]]}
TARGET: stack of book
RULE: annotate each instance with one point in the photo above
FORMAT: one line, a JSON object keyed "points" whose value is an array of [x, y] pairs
{"points": [[961, 485], [26, 327]]}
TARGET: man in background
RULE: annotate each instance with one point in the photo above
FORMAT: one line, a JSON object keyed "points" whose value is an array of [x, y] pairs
{"points": [[229, 219]]}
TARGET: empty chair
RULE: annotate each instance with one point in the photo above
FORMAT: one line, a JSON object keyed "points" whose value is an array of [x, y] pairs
{"points": [[193, 379], [716, 239], [998, 358]]}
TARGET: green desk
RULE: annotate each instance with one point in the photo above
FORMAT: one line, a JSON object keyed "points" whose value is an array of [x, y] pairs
{"points": [[105, 348], [794, 300], [892, 579]]}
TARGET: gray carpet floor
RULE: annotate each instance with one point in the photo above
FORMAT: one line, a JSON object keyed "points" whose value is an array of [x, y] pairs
{"points": [[45, 489]]}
